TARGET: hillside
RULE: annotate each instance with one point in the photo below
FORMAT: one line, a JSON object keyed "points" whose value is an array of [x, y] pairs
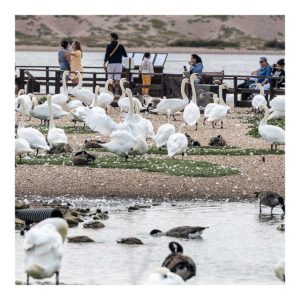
{"points": [[215, 32]]}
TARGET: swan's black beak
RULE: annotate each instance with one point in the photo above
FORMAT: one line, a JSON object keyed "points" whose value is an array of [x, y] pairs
{"points": [[283, 208]]}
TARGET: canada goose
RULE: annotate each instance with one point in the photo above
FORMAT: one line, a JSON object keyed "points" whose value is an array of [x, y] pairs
{"points": [[185, 232], [178, 263], [163, 276], [270, 199], [192, 142], [217, 141], [130, 241], [43, 247], [83, 158], [279, 269], [93, 144]]}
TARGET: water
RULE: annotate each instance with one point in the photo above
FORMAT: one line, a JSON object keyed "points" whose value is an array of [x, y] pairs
{"points": [[239, 247]]}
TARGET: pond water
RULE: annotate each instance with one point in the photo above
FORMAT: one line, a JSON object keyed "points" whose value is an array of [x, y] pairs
{"points": [[239, 247]]}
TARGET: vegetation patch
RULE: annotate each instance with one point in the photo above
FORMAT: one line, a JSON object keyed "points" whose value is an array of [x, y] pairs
{"points": [[176, 167], [205, 43], [274, 44], [67, 129]]}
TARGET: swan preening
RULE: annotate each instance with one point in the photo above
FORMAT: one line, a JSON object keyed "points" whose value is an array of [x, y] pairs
{"points": [[272, 134], [177, 142], [277, 110], [43, 247], [164, 132], [22, 147], [104, 99]]}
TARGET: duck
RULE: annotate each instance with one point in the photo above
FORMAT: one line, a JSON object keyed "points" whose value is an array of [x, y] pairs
{"points": [[260, 98], [105, 98], [191, 113], [177, 143], [33, 136], [123, 101], [56, 136], [185, 232], [271, 199], [178, 263], [22, 147], [43, 248], [217, 141], [279, 269], [173, 104], [163, 276], [63, 97], [271, 133], [85, 95]]}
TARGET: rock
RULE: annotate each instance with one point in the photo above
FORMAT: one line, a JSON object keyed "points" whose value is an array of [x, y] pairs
{"points": [[217, 141], [80, 239], [102, 216], [20, 205], [93, 225], [281, 227], [19, 224], [72, 222], [130, 241], [137, 207]]}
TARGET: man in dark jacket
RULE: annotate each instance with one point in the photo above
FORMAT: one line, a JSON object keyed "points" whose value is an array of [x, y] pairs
{"points": [[113, 59]]}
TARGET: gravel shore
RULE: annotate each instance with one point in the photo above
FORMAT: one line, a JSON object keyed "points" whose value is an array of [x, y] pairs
{"points": [[255, 174]]}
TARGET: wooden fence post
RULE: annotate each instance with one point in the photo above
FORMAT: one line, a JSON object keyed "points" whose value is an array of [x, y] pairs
{"points": [[94, 82], [235, 86], [57, 82], [22, 79], [47, 80]]}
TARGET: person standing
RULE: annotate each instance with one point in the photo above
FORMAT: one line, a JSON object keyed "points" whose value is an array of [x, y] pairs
{"points": [[146, 68], [63, 57], [113, 60]]}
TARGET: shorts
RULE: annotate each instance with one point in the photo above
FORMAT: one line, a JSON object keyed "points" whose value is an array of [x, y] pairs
{"points": [[114, 68]]}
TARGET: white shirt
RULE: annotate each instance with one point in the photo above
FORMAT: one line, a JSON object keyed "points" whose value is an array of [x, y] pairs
{"points": [[146, 66]]}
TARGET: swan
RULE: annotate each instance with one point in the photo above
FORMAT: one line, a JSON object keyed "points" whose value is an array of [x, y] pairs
{"points": [[56, 136], [105, 98], [123, 101], [177, 143], [62, 98], [173, 104], [31, 135], [164, 132], [43, 247], [74, 104], [273, 134], [259, 99], [20, 92], [191, 113], [278, 103], [209, 107], [22, 147], [30, 101], [279, 269], [163, 276], [86, 96], [276, 115]]}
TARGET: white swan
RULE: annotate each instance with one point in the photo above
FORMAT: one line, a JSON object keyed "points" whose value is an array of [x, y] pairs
{"points": [[105, 98], [276, 115], [77, 114], [273, 134], [31, 135], [63, 97], [278, 103], [279, 269], [86, 96], [259, 99], [74, 104], [163, 276], [123, 101], [177, 143], [173, 104], [191, 113], [20, 92], [209, 107], [56, 136], [30, 101], [22, 147], [43, 247], [164, 132]]}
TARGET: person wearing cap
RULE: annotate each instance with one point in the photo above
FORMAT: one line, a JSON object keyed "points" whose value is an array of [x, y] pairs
{"points": [[113, 59]]}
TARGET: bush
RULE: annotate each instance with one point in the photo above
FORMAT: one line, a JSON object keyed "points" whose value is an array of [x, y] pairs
{"points": [[205, 44], [275, 44]]}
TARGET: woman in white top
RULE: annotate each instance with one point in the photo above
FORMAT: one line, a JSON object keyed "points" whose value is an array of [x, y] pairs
{"points": [[146, 68]]}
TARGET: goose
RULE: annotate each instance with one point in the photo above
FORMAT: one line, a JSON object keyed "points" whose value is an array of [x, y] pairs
{"points": [[130, 241], [163, 276], [173, 104], [164, 132], [273, 134], [43, 247], [86, 96], [56, 136], [185, 232], [63, 97], [270, 199], [178, 263], [123, 101], [191, 113], [177, 143], [105, 98], [31, 135], [279, 269], [259, 99], [22, 147]]}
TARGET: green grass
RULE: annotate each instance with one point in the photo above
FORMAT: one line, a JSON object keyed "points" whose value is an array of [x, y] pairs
{"points": [[211, 150], [176, 167], [78, 129]]}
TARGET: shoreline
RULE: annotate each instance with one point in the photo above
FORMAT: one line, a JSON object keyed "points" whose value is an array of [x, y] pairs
{"points": [[162, 50]]}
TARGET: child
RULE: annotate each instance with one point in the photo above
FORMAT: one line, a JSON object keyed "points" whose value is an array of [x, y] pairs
{"points": [[146, 68]]}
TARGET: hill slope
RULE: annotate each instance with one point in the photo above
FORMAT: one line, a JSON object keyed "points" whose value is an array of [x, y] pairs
{"points": [[239, 32]]}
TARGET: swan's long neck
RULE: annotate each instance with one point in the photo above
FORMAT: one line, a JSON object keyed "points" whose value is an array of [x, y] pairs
{"points": [[261, 89], [264, 121], [96, 95], [122, 88], [221, 87], [183, 94], [131, 107], [194, 96], [34, 102], [21, 92], [169, 115], [136, 106], [51, 124], [21, 123], [65, 89]]}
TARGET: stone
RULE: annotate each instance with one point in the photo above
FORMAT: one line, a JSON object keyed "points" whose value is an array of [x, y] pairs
{"points": [[93, 225], [80, 239], [102, 216], [72, 222], [281, 227]]}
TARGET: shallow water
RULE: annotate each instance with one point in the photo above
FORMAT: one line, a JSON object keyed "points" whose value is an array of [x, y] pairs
{"points": [[239, 247]]}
